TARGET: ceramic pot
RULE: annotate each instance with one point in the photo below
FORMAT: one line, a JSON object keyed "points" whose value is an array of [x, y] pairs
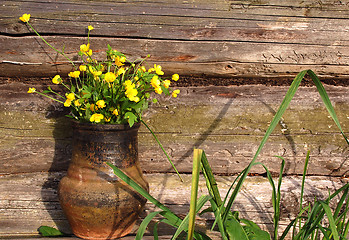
{"points": [[96, 203]]}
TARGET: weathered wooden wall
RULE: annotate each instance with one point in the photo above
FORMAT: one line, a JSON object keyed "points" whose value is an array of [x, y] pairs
{"points": [[198, 39], [216, 38]]}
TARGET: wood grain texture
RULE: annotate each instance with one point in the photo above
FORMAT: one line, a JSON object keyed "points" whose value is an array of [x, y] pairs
{"points": [[227, 122], [225, 38], [30, 200], [195, 38]]}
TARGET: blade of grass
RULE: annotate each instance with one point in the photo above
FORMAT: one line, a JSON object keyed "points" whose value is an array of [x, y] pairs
{"points": [[155, 231], [194, 191], [210, 180], [143, 227], [162, 148], [302, 186], [287, 99], [173, 218], [184, 224], [340, 205], [278, 200], [276, 195], [331, 221], [326, 101], [218, 219]]}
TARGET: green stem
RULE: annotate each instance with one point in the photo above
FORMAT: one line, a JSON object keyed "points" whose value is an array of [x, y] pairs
{"points": [[59, 95], [60, 52], [162, 148], [49, 97]]}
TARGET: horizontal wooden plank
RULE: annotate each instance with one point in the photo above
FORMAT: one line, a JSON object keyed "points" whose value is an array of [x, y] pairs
{"points": [[30, 200], [224, 38], [227, 122], [18, 57]]}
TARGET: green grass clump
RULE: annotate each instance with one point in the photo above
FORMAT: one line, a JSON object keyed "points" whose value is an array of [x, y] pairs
{"points": [[315, 221]]}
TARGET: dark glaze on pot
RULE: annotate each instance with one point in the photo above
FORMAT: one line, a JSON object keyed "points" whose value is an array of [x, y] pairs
{"points": [[97, 204]]}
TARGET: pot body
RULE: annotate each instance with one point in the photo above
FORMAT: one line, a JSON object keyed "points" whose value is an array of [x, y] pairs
{"points": [[97, 204]]}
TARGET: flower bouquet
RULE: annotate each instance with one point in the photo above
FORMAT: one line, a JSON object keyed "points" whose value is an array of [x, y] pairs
{"points": [[106, 99], [110, 91]]}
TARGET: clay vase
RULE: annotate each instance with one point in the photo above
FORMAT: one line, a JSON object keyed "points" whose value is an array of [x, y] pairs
{"points": [[97, 204]]}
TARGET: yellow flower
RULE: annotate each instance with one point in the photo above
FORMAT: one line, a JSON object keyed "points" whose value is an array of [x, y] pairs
{"points": [[96, 117], [167, 83], [155, 82], [94, 72], [85, 47], [120, 71], [107, 119], [93, 108], [158, 70], [110, 77], [175, 77], [89, 53], [100, 103], [158, 90], [143, 68], [70, 96], [136, 78], [25, 17], [67, 103], [77, 103], [119, 61], [57, 79], [175, 92], [90, 28], [82, 68], [131, 93], [74, 74], [115, 112], [31, 90], [128, 84]]}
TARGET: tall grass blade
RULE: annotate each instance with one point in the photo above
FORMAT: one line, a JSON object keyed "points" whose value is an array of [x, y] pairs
{"points": [[143, 227], [331, 221], [276, 195], [218, 219], [340, 203], [286, 101], [210, 180], [278, 200], [167, 213], [302, 186], [162, 148], [194, 191], [184, 225], [326, 101], [155, 231]]}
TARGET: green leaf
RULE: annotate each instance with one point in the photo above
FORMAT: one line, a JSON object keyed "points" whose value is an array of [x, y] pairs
{"points": [[46, 231], [254, 232], [172, 218], [131, 118], [144, 224], [234, 229], [165, 90]]}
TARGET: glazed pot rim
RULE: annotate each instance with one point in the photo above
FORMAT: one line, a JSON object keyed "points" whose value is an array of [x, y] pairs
{"points": [[104, 127]]}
